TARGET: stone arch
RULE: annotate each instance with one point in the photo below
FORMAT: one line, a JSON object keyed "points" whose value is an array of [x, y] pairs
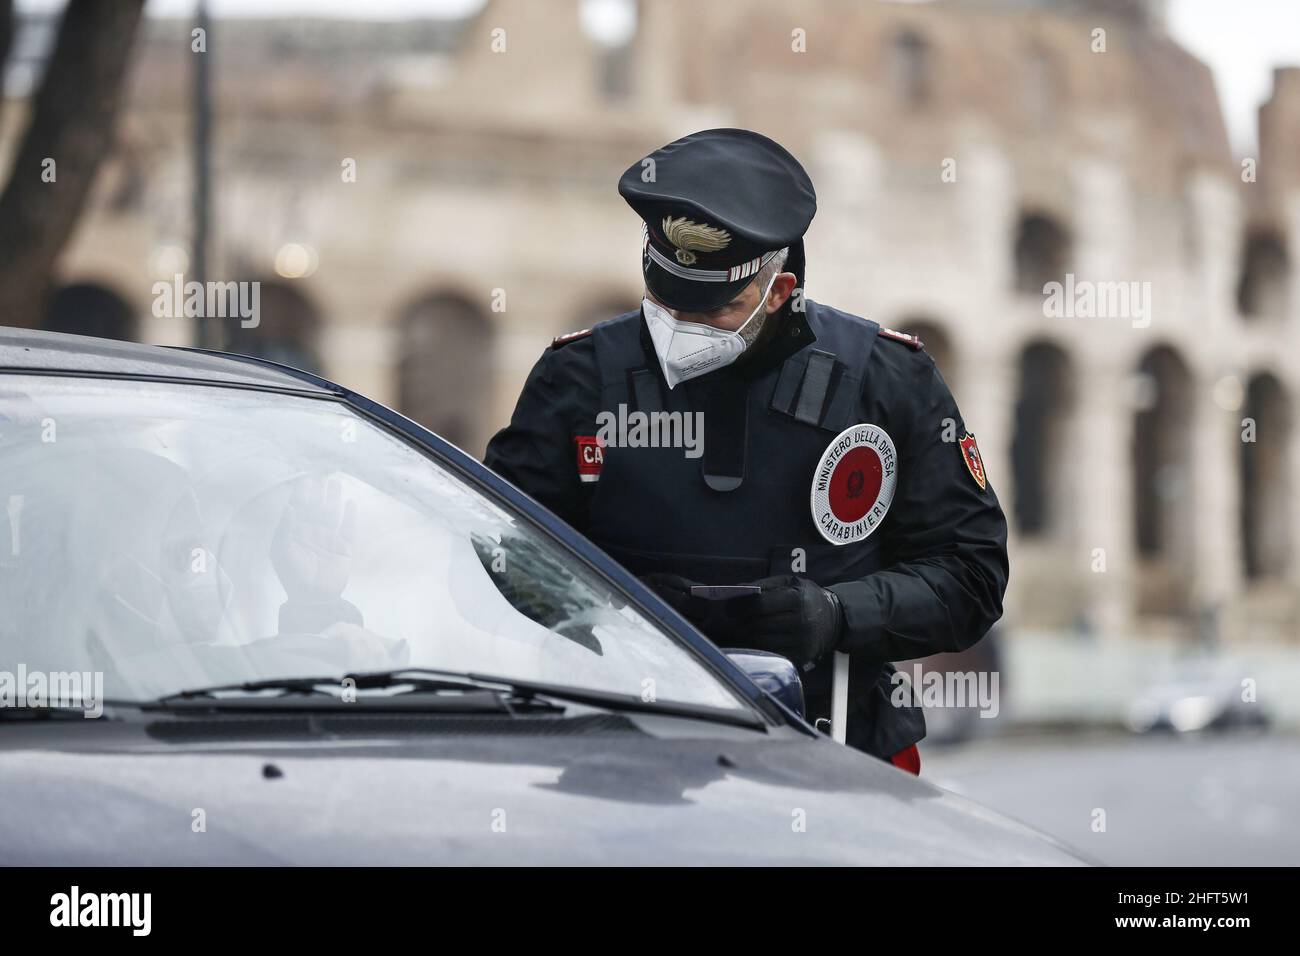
{"points": [[1040, 446], [1263, 287], [287, 330], [444, 366], [89, 308], [1162, 459], [1042, 251], [1265, 504]]}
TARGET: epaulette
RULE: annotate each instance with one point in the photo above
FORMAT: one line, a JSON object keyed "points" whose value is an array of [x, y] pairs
{"points": [[911, 341], [562, 340]]}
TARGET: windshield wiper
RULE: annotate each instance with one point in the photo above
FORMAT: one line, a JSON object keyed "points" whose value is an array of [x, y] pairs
{"points": [[605, 700], [424, 693], [290, 685], [434, 690]]}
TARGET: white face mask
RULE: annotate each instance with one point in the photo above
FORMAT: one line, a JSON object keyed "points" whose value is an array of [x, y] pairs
{"points": [[687, 350]]}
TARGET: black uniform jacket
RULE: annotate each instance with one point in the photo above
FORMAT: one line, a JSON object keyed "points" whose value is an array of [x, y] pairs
{"points": [[928, 578]]}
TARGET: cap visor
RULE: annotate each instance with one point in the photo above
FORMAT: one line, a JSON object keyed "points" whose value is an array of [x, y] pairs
{"points": [[687, 295]]}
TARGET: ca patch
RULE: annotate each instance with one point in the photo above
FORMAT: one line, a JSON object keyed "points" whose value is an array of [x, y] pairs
{"points": [[591, 457], [853, 484], [970, 453]]}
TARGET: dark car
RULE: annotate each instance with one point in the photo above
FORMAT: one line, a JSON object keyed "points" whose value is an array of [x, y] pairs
{"points": [[311, 631]]}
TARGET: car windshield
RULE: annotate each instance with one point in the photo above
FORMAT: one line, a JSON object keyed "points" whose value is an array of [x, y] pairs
{"points": [[179, 536]]}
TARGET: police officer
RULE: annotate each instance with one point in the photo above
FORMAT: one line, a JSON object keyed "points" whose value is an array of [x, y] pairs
{"points": [[831, 467]]}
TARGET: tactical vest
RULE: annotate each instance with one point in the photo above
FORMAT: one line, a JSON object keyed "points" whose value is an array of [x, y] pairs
{"points": [[743, 510]]}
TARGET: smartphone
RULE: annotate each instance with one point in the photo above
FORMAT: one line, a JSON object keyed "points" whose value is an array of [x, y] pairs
{"points": [[724, 592]]}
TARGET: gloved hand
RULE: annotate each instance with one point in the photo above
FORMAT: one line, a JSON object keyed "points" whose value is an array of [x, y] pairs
{"points": [[676, 592], [721, 621], [794, 617]]}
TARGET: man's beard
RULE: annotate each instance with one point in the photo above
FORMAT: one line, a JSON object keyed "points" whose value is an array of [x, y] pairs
{"points": [[751, 333]]}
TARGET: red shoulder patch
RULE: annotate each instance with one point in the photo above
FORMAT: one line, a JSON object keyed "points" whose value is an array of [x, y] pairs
{"points": [[562, 340], [970, 453], [911, 341], [591, 456]]}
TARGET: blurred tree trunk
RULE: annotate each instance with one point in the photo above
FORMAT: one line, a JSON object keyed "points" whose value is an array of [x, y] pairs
{"points": [[71, 123], [6, 38]]}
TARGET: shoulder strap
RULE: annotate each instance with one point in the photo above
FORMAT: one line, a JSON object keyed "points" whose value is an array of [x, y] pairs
{"points": [[624, 377], [821, 384], [562, 340], [911, 341]]}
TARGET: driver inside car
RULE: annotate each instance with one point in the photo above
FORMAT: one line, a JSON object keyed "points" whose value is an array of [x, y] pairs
{"points": [[187, 601]]}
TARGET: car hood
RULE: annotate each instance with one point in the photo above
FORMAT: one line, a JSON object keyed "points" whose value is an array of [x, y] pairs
{"points": [[637, 790]]}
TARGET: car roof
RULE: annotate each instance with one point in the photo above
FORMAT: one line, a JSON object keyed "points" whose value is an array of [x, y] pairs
{"points": [[31, 350]]}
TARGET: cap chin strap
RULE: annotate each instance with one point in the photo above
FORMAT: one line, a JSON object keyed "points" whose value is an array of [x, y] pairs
{"points": [[769, 323]]}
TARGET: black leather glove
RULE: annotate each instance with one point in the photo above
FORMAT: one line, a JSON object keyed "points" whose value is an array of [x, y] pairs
{"points": [[794, 617], [719, 620], [676, 592]]}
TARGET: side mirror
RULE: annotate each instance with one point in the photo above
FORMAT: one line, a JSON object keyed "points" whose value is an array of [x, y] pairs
{"points": [[772, 672]]}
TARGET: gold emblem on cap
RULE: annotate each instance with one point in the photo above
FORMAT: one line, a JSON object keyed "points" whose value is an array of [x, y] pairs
{"points": [[687, 236]]}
